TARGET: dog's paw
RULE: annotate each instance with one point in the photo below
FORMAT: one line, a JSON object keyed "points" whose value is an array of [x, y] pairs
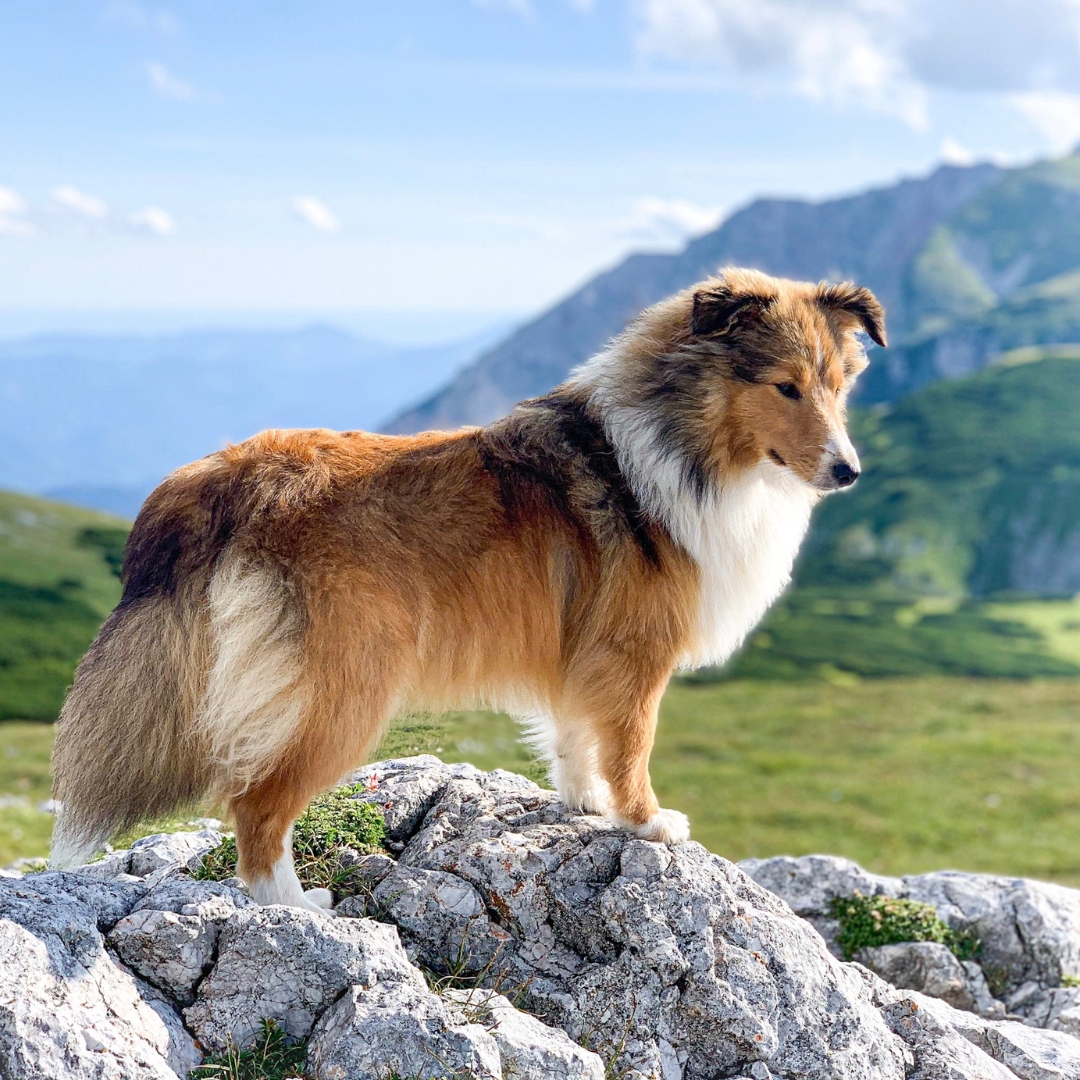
{"points": [[664, 827], [319, 900]]}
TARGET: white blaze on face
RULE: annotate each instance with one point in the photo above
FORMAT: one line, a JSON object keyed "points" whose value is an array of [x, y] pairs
{"points": [[838, 449]]}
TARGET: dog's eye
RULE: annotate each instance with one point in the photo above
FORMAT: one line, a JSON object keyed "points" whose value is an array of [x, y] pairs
{"points": [[789, 390]]}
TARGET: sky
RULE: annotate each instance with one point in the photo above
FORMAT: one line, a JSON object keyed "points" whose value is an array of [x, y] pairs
{"points": [[439, 163]]}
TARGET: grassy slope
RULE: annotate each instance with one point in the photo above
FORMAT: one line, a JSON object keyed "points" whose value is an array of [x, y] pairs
{"points": [[56, 585], [903, 775]]}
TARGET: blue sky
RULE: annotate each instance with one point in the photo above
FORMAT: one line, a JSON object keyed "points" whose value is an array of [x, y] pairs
{"points": [[457, 159]]}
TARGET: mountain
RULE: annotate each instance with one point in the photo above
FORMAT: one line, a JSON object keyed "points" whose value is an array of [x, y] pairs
{"points": [[59, 578], [100, 419], [969, 262]]}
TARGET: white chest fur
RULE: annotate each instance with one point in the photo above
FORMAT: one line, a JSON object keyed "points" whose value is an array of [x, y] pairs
{"points": [[744, 538]]}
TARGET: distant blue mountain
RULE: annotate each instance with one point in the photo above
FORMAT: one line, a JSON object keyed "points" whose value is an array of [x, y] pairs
{"points": [[99, 420]]}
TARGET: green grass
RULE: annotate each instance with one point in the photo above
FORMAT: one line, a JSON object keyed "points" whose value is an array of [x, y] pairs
{"points": [[869, 921], [902, 775], [272, 1056]]}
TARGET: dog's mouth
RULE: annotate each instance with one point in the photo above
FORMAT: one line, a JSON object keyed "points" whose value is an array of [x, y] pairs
{"points": [[778, 459]]}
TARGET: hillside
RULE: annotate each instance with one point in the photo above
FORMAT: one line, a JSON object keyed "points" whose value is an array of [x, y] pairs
{"points": [[59, 577], [969, 262]]}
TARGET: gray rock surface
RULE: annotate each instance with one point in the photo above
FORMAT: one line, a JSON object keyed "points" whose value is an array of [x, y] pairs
{"points": [[1029, 930], [529, 1049], [400, 1029], [67, 1010], [290, 965], [667, 963]]}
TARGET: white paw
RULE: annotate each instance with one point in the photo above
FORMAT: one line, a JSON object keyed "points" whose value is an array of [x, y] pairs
{"points": [[319, 899], [664, 827]]}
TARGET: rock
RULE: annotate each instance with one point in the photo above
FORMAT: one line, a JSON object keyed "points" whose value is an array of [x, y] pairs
{"points": [[671, 954], [1029, 930], [290, 965], [154, 853], [170, 951], [67, 1011], [399, 1029], [1057, 1008], [529, 1049], [925, 966]]}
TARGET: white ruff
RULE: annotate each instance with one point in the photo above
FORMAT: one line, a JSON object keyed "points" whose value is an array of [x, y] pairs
{"points": [[743, 534]]}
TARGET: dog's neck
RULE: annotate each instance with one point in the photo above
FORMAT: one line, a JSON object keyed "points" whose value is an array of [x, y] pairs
{"points": [[743, 530]]}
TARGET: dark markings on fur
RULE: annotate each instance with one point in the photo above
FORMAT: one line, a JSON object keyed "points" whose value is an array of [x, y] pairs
{"points": [[856, 301], [176, 532], [555, 449], [777, 458]]}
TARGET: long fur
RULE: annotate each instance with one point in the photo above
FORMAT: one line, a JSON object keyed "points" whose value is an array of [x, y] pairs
{"points": [[283, 598]]}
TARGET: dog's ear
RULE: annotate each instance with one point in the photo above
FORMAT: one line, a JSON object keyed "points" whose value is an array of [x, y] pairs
{"points": [[720, 310], [858, 303]]}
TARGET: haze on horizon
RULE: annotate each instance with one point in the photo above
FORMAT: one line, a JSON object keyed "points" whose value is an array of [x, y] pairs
{"points": [[474, 158]]}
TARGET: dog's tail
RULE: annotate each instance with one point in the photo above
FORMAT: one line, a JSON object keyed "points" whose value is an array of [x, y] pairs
{"points": [[191, 687]]}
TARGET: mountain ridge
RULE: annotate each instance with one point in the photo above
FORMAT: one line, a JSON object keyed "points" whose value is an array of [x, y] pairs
{"points": [[950, 255]]}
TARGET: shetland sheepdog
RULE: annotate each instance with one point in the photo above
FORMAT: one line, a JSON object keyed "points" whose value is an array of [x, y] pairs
{"points": [[285, 597]]}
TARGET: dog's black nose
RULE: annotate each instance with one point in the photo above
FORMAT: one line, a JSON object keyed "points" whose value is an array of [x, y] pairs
{"points": [[844, 474]]}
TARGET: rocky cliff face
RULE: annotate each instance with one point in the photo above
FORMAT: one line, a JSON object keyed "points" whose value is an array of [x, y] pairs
{"points": [[554, 946]]}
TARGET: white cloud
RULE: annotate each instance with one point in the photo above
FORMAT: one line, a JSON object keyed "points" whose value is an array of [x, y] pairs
{"points": [[152, 219], [12, 209], [955, 153], [843, 52], [1054, 114], [71, 198], [168, 85], [884, 55], [316, 213], [670, 222], [11, 202]]}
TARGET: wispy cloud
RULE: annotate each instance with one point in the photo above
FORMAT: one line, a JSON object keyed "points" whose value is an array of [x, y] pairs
{"points": [[167, 85], [1055, 115], [71, 198], [884, 55], [12, 209], [669, 221], [153, 220], [841, 52], [316, 213]]}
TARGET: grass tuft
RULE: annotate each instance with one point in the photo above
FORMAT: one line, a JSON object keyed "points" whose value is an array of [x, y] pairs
{"points": [[333, 823], [869, 921], [273, 1056]]}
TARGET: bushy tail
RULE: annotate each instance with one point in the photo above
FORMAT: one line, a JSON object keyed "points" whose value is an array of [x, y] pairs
{"points": [[127, 746]]}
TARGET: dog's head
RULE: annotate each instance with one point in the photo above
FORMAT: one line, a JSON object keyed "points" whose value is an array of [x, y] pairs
{"points": [[774, 362]]}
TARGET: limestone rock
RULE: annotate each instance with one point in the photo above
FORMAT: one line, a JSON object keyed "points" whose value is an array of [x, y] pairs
{"points": [[529, 1049], [925, 966], [290, 965], [67, 1011], [153, 853], [399, 1029]]}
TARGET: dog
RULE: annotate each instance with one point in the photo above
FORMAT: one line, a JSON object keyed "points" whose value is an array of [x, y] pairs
{"points": [[285, 597]]}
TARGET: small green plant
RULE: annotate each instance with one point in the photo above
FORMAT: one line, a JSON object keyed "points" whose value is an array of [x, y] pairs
{"points": [[333, 822], [869, 921], [1070, 981], [273, 1056]]}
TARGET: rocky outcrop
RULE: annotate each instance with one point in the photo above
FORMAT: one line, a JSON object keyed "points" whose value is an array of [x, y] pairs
{"points": [[1028, 934], [551, 943]]}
